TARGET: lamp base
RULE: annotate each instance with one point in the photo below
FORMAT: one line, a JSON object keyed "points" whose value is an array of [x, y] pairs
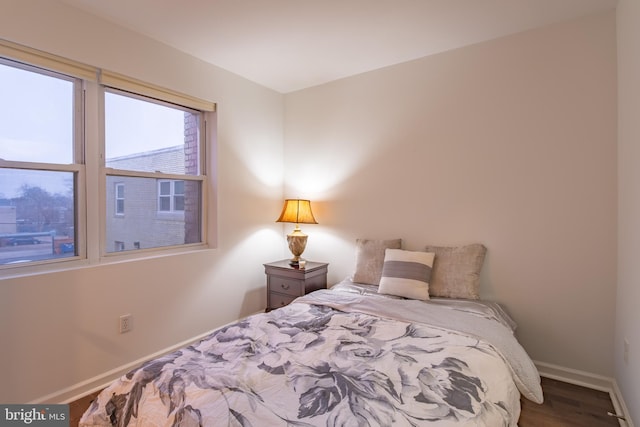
{"points": [[297, 242]]}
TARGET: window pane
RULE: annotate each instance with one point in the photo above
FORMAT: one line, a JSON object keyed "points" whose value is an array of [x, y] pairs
{"points": [[178, 187], [149, 137], [165, 204], [165, 188], [37, 215], [119, 207], [179, 203], [37, 117], [147, 223]]}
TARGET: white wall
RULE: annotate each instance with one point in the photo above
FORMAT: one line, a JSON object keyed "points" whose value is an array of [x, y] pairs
{"points": [[628, 316], [59, 330], [511, 143]]}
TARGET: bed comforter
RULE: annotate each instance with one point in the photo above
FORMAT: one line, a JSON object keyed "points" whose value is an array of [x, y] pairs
{"points": [[335, 358]]}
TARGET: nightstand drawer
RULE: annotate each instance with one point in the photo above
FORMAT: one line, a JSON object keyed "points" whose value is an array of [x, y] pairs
{"points": [[284, 285], [280, 300]]}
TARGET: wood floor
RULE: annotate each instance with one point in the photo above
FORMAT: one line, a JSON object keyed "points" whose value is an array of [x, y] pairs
{"points": [[568, 405], [77, 408], [565, 405]]}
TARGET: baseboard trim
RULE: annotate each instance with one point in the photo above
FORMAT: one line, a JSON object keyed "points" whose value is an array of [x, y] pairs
{"points": [[620, 405], [84, 388], [574, 376], [587, 379]]}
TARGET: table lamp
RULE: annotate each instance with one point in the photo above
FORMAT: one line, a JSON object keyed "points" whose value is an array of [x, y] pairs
{"points": [[297, 211]]}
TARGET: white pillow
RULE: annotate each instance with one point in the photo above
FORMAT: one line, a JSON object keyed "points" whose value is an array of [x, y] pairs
{"points": [[406, 273]]}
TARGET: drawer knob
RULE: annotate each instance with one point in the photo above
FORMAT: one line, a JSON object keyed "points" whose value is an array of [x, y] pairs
{"points": [[283, 286]]}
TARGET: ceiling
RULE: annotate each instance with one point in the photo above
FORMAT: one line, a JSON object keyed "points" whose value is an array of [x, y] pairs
{"points": [[288, 45]]}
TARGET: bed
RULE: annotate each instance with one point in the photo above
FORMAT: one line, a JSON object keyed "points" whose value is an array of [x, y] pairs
{"points": [[346, 356]]}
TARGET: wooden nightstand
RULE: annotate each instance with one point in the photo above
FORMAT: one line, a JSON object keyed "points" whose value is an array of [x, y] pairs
{"points": [[285, 283]]}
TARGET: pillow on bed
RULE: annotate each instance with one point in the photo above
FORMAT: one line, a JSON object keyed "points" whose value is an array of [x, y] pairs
{"points": [[456, 271], [370, 257], [406, 274]]}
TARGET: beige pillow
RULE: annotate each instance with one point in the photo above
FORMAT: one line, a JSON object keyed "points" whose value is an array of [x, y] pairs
{"points": [[456, 271], [370, 257], [406, 274]]}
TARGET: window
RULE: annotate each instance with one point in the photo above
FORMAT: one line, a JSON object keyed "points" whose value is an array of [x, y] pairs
{"points": [[148, 145], [119, 197], [170, 196], [153, 146], [39, 163]]}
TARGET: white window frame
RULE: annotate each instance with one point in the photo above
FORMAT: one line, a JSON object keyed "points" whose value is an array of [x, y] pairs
{"points": [[172, 195], [117, 198]]}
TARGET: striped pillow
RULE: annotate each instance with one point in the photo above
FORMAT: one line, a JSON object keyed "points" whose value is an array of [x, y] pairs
{"points": [[406, 273]]}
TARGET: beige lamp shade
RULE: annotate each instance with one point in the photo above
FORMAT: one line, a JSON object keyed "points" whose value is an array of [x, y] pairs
{"points": [[297, 211]]}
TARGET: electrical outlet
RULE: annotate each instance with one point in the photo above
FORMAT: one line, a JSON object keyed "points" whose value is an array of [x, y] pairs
{"points": [[625, 353], [126, 323]]}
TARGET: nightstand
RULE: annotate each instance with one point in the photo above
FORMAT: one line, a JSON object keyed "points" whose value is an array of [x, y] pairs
{"points": [[285, 283]]}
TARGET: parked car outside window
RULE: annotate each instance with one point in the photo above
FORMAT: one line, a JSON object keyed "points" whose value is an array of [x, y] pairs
{"points": [[15, 241]]}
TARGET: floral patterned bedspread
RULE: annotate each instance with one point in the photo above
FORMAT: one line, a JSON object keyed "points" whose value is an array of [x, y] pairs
{"points": [[311, 364]]}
